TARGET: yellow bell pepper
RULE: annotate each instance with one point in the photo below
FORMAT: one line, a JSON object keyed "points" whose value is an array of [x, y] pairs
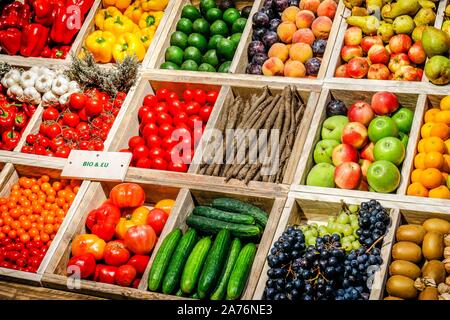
{"points": [[128, 44], [146, 35], [134, 12], [122, 5], [100, 44], [151, 18], [104, 14], [119, 25], [154, 5]]}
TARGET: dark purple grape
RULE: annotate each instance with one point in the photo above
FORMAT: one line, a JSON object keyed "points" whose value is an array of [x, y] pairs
{"points": [[273, 24], [319, 47], [269, 38], [336, 108], [245, 12], [226, 4], [254, 69], [258, 33], [294, 3], [280, 5], [260, 20], [255, 47], [259, 58], [268, 3], [270, 12], [313, 66]]}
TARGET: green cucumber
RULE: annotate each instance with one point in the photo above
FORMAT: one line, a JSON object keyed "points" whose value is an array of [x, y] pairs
{"points": [[194, 265], [179, 293], [221, 287], [233, 205], [241, 271], [213, 226], [162, 259], [176, 264], [217, 214], [214, 262]]}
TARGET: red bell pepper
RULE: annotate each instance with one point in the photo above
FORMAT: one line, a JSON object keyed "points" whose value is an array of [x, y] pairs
{"points": [[43, 12], [46, 52], [34, 38], [65, 27], [20, 120], [10, 40], [105, 274], [103, 220], [60, 52], [10, 139], [15, 15], [7, 115], [84, 5], [29, 109]]}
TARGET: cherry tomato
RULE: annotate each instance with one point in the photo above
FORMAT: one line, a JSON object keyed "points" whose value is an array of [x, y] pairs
{"points": [[31, 138], [161, 107], [98, 145], [27, 149], [195, 121], [82, 114], [62, 152], [159, 164], [135, 141], [143, 110], [165, 130], [71, 119], [45, 142], [77, 101], [156, 153], [175, 107], [200, 96], [163, 118], [149, 129], [140, 151], [174, 155], [82, 126], [161, 94], [168, 143], [188, 95], [56, 143], [205, 112], [153, 141], [180, 117], [84, 145], [121, 95], [177, 167], [50, 113], [148, 117], [211, 97], [53, 131], [172, 96], [143, 163], [93, 107], [39, 150], [150, 100], [69, 134], [192, 108]]}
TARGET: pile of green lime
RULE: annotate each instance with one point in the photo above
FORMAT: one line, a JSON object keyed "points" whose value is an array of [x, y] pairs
{"points": [[205, 39]]}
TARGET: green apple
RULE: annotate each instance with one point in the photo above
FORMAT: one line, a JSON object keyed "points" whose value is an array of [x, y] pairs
{"points": [[324, 150], [390, 149], [403, 118], [333, 126], [383, 176], [382, 127], [321, 175], [404, 139]]}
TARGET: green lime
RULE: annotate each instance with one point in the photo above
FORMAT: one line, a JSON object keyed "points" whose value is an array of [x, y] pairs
{"points": [[205, 5], [210, 57], [239, 25], [189, 65], [224, 67], [231, 15], [199, 41], [219, 27], [179, 39], [214, 40], [226, 49], [184, 25], [205, 67], [201, 26], [213, 14], [174, 54], [192, 53], [190, 12], [169, 65], [236, 37]]}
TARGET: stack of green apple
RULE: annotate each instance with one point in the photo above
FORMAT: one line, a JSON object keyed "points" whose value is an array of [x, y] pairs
{"points": [[362, 147], [205, 39], [345, 224]]}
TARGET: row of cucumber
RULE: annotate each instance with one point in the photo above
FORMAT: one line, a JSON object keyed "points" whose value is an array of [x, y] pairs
{"points": [[202, 268]]}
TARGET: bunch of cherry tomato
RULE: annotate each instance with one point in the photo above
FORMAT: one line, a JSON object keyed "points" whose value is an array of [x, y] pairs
{"points": [[30, 218], [170, 128], [82, 124]]}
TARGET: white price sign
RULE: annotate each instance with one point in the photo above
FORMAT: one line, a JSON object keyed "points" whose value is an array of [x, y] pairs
{"points": [[94, 165]]}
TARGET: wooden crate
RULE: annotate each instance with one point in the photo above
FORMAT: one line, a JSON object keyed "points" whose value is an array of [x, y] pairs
{"points": [[412, 101], [240, 65], [191, 197], [159, 57], [55, 273], [304, 208], [47, 62], [9, 176]]}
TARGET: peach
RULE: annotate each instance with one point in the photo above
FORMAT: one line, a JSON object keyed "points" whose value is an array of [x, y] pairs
{"points": [[279, 50], [301, 52], [304, 19], [289, 14], [321, 27], [312, 5], [294, 69], [273, 67], [327, 8], [304, 35], [286, 30]]}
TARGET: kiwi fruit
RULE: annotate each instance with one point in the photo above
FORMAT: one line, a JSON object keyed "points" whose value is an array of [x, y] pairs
{"points": [[437, 225], [434, 269], [404, 268], [429, 293], [405, 250], [401, 286], [393, 298], [411, 232], [433, 245]]}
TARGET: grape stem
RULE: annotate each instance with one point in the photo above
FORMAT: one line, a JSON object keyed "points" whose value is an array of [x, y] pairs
{"points": [[374, 244]]}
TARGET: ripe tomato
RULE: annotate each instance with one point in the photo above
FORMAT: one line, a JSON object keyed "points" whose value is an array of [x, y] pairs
{"points": [[93, 107], [174, 155], [149, 129], [140, 239], [177, 167], [69, 134], [77, 101], [172, 96], [200, 96], [188, 95], [161, 107], [98, 145], [55, 143], [168, 143], [157, 153], [141, 151], [105, 274], [175, 107], [139, 262], [159, 164], [157, 219], [192, 108], [163, 118], [62, 152], [82, 114], [135, 141], [150, 101], [205, 112], [116, 253], [165, 130], [148, 117], [71, 119], [53, 131], [50, 113], [83, 145], [143, 110], [31, 139], [143, 163], [45, 142], [161, 94], [121, 95], [125, 275], [211, 97], [126, 195], [82, 126], [180, 117], [153, 141], [84, 264], [27, 149]]}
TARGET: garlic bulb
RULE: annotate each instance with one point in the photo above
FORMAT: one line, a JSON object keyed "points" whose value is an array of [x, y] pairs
{"points": [[49, 98], [64, 99], [31, 95], [28, 79], [74, 87], [16, 92], [11, 78], [43, 83], [447, 240], [60, 85]]}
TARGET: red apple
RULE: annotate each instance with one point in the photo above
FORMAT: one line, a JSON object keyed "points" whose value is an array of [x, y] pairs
{"points": [[341, 71], [349, 52], [398, 60], [378, 72], [378, 54], [358, 67], [369, 41], [344, 153], [408, 73], [364, 167], [388, 48], [360, 112], [353, 36], [417, 54], [367, 152], [355, 134], [400, 43], [363, 186], [348, 175], [384, 103]]}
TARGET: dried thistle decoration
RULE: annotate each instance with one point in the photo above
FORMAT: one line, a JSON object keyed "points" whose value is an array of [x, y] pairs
{"points": [[421, 283], [121, 77], [4, 68]]}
